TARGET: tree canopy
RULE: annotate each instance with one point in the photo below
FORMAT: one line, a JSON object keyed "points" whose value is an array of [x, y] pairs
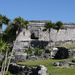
{"points": [[14, 26], [20, 22], [58, 25], [4, 20], [49, 25]]}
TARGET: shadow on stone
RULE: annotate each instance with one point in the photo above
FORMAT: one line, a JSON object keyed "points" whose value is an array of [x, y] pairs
{"points": [[62, 53], [40, 44]]}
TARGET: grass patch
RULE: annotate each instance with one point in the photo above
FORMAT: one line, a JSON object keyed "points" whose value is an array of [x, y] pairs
{"points": [[69, 45], [51, 69]]}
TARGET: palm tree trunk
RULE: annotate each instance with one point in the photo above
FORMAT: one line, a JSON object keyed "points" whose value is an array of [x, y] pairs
{"points": [[1, 31], [5, 63], [56, 39], [49, 38], [12, 52], [2, 68], [9, 60]]}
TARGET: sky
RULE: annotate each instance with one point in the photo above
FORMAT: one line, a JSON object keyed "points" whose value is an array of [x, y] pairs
{"points": [[54, 10]]}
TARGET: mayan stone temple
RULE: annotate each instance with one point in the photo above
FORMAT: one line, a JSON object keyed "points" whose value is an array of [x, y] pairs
{"points": [[34, 36]]}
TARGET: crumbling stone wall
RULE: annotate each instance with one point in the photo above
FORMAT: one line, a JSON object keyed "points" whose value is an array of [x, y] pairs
{"points": [[66, 35]]}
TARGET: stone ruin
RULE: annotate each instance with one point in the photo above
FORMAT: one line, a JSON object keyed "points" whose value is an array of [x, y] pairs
{"points": [[27, 70], [36, 37], [64, 64]]}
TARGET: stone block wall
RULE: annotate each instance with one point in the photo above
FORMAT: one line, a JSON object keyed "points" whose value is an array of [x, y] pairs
{"points": [[66, 35]]}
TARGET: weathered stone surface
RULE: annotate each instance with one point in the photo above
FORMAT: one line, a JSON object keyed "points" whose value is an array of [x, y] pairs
{"points": [[63, 64], [43, 70], [72, 53], [25, 70], [19, 56], [53, 52], [63, 36], [33, 57]]}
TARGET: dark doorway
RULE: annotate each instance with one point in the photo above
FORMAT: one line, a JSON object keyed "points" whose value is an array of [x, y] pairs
{"points": [[33, 36]]}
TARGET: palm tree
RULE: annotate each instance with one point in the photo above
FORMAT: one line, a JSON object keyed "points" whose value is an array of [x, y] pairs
{"points": [[14, 29], [3, 20], [48, 27], [10, 33], [18, 23], [58, 25]]}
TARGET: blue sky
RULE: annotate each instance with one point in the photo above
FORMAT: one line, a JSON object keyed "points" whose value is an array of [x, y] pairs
{"points": [[54, 10]]}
